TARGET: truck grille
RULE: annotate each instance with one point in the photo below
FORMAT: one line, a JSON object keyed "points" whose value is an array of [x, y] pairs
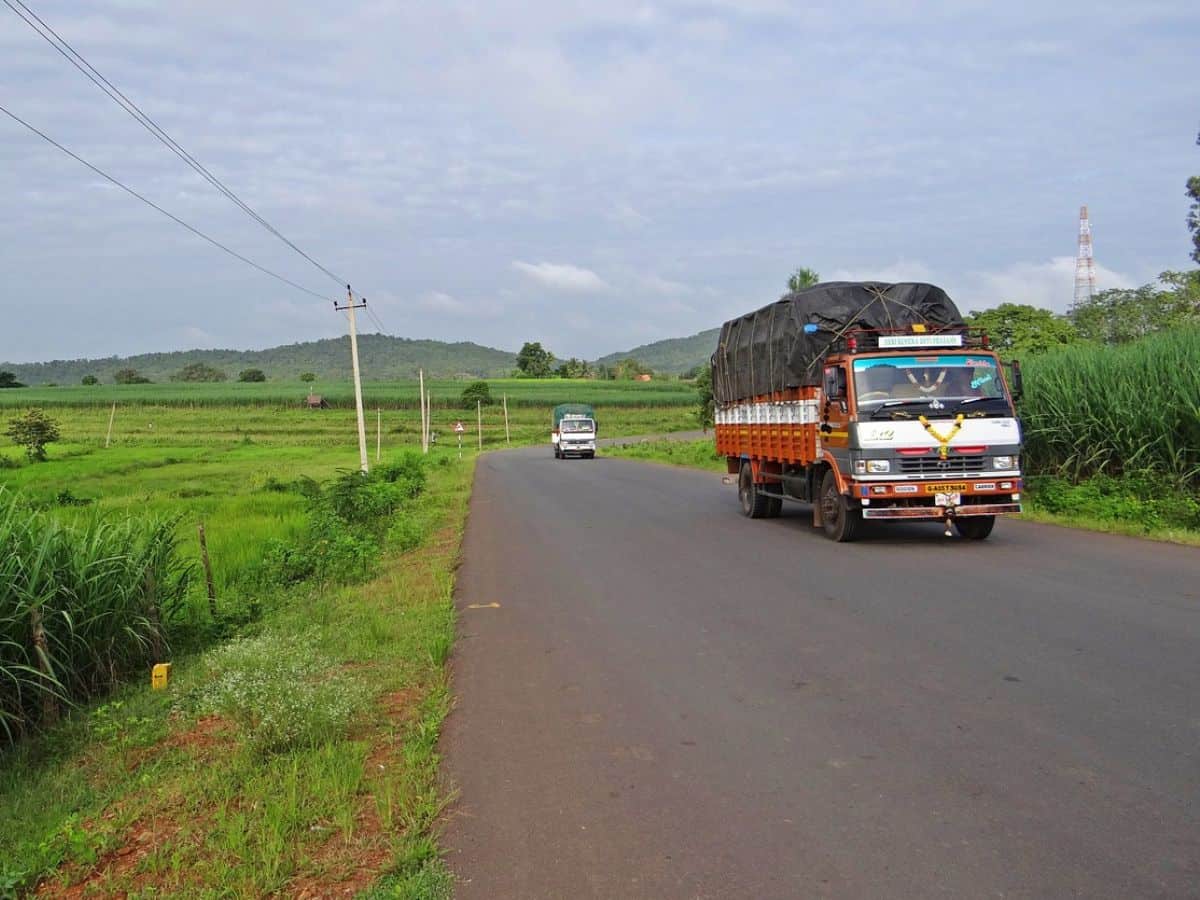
{"points": [[931, 465]]}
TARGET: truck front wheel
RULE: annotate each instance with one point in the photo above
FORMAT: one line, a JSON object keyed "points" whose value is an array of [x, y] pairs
{"points": [[754, 504], [975, 528], [839, 519]]}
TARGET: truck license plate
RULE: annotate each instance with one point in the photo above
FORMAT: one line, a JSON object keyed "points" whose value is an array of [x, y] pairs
{"points": [[952, 499], [944, 488]]}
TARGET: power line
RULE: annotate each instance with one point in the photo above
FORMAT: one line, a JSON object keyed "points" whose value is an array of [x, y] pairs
{"points": [[375, 318], [153, 205], [76, 59]]}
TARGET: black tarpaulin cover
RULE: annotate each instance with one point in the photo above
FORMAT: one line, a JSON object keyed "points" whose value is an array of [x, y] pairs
{"points": [[768, 350]]}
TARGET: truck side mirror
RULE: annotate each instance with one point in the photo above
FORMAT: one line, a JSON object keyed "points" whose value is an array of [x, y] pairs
{"points": [[835, 383], [835, 390], [1018, 387]]}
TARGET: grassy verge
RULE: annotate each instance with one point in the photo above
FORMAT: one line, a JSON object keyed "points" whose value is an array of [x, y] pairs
{"points": [[1139, 507], [298, 759], [700, 454]]}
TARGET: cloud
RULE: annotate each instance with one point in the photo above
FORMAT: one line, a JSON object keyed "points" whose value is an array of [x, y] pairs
{"points": [[441, 302], [903, 270], [562, 277], [1049, 284], [664, 286]]}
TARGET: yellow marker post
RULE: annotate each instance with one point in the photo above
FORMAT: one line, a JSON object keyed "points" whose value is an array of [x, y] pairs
{"points": [[159, 675]]}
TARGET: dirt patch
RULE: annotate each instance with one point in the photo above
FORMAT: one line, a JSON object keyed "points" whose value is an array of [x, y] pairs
{"points": [[140, 840], [208, 735]]}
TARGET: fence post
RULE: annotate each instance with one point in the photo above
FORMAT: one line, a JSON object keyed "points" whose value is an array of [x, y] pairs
{"points": [[41, 649], [208, 575]]}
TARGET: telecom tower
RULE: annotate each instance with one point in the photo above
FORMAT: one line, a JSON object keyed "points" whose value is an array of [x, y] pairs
{"points": [[1085, 268]]}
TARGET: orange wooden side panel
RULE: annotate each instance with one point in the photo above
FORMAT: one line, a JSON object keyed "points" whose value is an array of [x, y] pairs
{"points": [[783, 443]]}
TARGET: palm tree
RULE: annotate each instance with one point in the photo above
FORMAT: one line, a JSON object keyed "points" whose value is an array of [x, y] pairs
{"points": [[802, 278]]}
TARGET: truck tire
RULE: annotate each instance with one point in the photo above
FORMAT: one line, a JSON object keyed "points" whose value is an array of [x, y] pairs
{"points": [[774, 507], [754, 504], [839, 519], [975, 528]]}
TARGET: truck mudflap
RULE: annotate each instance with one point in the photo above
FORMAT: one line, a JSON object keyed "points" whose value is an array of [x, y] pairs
{"points": [[940, 513]]}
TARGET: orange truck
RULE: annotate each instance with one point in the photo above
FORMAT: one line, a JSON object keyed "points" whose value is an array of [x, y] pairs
{"points": [[868, 401]]}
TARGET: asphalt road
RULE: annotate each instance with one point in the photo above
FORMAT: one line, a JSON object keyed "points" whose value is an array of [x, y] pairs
{"points": [[673, 701]]}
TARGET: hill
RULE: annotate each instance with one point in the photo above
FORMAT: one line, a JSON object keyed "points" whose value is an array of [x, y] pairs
{"points": [[673, 356], [383, 358]]}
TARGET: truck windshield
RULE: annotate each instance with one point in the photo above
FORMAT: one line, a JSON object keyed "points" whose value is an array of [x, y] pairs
{"points": [[903, 385], [572, 426]]}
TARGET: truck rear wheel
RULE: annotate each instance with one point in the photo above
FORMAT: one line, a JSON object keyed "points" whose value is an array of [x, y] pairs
{"points": [[839, 519], [754, 504], [975, 528]]}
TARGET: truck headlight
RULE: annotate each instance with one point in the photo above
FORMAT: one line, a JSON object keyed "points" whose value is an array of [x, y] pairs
{"points": [[879, 466], [1002, 462]]}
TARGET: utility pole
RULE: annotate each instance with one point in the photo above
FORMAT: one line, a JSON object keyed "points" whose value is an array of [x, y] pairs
{"points": [[424, 422], [479, 420], [350, 307]]}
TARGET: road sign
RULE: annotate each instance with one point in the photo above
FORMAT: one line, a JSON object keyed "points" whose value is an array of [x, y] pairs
{"points": [[458, 428]]}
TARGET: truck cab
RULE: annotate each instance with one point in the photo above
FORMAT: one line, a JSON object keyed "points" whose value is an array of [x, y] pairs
{"points": [[574, 434], [920, 426]]}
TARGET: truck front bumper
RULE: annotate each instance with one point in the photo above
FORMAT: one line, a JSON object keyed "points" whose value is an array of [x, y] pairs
{"points": [[938, 500]]}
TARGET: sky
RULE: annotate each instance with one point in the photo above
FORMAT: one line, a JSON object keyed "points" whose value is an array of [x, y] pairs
{"points": [[592, 176]]}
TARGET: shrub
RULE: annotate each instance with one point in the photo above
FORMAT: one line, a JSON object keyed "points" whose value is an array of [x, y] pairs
{"points": [[308, 377], [476, 392], [407, 470], [9, 380], [406, 532], [33, 431], [199, 372], [252, 375], [89, 380], [129, 376]]}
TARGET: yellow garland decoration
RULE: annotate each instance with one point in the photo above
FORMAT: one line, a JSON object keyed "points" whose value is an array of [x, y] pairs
{"points": [[943, 440]]}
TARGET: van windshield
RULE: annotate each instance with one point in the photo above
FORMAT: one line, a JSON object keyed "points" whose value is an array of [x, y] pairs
{"points": [[572, 426], [945, 382]]}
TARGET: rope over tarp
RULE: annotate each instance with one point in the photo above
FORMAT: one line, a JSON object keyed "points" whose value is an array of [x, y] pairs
{"points": [[768, 350]]}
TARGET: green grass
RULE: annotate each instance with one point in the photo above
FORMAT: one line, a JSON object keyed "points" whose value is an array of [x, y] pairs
{"points": [[699, 454], [301, 756]]}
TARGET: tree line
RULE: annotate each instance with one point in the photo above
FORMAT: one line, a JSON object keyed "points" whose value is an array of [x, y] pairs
{"points": [[535, 361]]}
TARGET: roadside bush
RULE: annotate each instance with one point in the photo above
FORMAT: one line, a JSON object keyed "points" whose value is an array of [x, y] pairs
{"points": [[348, 521], [406, 533], [408, 471], [358, 498], [1147, 501], [280, 690]]}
